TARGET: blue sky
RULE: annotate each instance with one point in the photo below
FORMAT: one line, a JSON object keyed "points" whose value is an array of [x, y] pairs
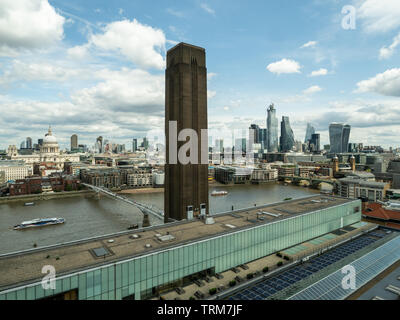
{"points": [[97, 67]]}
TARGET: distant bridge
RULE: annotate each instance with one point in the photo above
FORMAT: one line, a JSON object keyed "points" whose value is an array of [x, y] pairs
{"points": [[311, 180], [144, 208]]}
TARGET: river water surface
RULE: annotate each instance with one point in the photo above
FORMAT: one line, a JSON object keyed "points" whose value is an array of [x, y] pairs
{"points": [[87, 217]]}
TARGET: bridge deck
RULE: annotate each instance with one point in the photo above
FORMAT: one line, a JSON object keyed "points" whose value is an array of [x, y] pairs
{"points": [[143, 207]]}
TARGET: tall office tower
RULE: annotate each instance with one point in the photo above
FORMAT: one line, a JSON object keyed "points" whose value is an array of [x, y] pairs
{"points": [[339, 135], [298, 146], [219, 145], [254, 135], [145, 143], [74, 142], [186, 185], [263, 138], [22, 145], [310, 131], [29, 143], [99, 143], [315, 142], [346, 137], [287, 136], [134, 145], [40, 142], [272, 127], [240, 145]]}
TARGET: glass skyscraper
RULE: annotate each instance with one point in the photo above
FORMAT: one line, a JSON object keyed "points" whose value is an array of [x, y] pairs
{"points": [[310, 131], [272, 127], [287, 136], [339, 135]]}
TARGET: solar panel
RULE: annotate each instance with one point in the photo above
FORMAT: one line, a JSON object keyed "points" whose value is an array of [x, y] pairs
{"points": [[287, 278], [367, 268]]}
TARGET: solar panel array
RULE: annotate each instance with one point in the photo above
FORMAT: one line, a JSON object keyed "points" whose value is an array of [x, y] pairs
{"points": [[268, 287], [367, 268]]}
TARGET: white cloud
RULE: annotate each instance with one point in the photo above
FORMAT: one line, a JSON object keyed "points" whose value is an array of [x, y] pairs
{"points": [[78, 52], [309, 44], [207, 8], [320, 72], [141, 44], [386, 83], [122, 103], [175, 13], [29, 24], [211, 75], [284, 66], [379, 15], [211, 94], [312, 90], [387, 52], [124, 90], [24, 71]]}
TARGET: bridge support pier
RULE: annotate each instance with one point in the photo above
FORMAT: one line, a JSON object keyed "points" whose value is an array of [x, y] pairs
{"points": [[146, 221]]}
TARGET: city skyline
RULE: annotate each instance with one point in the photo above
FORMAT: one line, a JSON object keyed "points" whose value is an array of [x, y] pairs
{"points": [[77, 77]]}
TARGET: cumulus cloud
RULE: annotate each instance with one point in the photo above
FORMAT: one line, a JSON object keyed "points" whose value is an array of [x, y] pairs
{"points": [[320, 72], [312, 90], [309, 44], [23, 71], [141, 44], [78, 52], [284, 66], [125, 90], [28, 24], [124, 103], [387, 52], [379, 15], [211, 75], [386, 83]]}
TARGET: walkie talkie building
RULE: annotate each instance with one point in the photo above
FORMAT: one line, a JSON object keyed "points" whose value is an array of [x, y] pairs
{"points": [[339, 135]]}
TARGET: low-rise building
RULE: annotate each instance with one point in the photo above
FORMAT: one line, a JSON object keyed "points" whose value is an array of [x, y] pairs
{"points": [[37, 184], [14, 170], [286, 170], [305, 172], [387, 215], [158, 179], [233, 175], [140, 178], [353, 188], [105, 177], [259, 176]]}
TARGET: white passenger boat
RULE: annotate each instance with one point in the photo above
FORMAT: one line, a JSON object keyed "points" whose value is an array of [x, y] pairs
{"points": [[39, 223], [219, 193], [29, 204]]}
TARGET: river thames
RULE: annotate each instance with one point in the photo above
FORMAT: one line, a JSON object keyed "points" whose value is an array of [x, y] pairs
{"points": [[88, 217]]}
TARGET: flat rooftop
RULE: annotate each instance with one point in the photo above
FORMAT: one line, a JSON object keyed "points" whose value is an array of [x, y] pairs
{"points": [[26, 267]]}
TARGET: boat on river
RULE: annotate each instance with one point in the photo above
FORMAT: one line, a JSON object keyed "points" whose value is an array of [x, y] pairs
{"points": [[41, 222]]}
